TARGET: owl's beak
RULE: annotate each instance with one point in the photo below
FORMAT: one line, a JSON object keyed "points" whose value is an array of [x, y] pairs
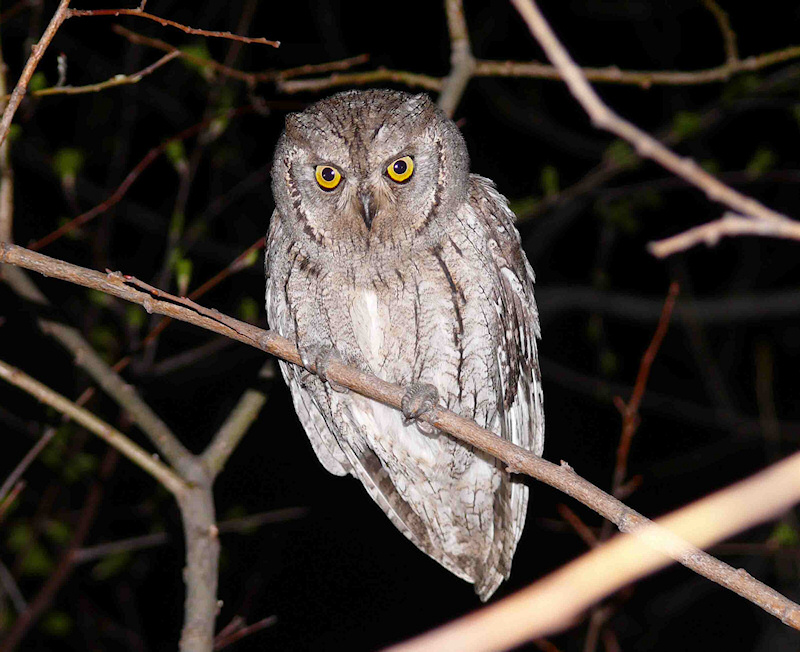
{"points": [[367, 207]]}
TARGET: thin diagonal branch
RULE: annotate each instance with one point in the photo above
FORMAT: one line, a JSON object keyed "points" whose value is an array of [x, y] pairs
{"points": [[116, 80], [239, 420], [518, 459], [74, 13], [37, 51], [551, 603], [26, 461], [729, 225], [728, 35], [106, 377], [112, 436]]}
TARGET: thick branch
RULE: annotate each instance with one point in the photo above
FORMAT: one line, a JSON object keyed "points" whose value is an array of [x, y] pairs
{"points": [[462, 63], [518, 459]]}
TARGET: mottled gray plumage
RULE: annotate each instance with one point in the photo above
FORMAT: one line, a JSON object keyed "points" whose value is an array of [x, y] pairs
{"points": [[417, 281]]}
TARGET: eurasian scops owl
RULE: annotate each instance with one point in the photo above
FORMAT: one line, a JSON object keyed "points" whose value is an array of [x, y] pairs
{"points": [[384, 250]]}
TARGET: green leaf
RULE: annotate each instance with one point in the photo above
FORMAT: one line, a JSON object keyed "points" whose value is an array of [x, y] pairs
{"points": [[524, 205], [252, 258], [111, 565], [594, 329], [549, 180], [176, 224], [685, 124], [99, 298], [248, 310], [104, 339], [68, 162], [622, 154], [175, 152], [20, 536], [784, 534], [619, 213], [57, 623], [79, 466], [14, 132], [58, 532], [183, 274], [608, 362], [198, 50], [711, 166], [135, 316], [740, 86], [763, 161], [37, 561], [37, 82]]}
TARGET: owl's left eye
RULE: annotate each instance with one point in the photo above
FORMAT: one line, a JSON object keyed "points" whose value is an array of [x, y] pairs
{"points": [[328, 177], [401, 169]]}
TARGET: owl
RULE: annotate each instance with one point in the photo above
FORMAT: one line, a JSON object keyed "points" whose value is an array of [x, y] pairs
{"points": [[386, 253]]}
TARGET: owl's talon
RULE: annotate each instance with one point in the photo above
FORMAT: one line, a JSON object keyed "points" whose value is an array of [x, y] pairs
{"points": [[419, 399], [322, 356]]}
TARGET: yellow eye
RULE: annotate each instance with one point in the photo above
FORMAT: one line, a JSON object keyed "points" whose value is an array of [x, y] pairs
{"points": [[328, 177], [401, 169]]}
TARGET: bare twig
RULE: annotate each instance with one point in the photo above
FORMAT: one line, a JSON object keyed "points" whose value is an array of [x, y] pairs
{"points": [[116, 80], [728, 35], [134, 174], [647, 146], [63, 568], [73, 13], [239, 420], [239, 524], [13, 494], [535, 70], [251, 78], [729, 225], [581, 529], [123, 394], [112, 436], [630, 410], [12, 590], [549, 604], [462, 63], [239, 630], [25, 462], [6, 173], [516, 458], [37, 51], [412, 79]]}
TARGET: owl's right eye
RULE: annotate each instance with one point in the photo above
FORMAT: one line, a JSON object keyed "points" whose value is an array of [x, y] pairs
{"points": [[328, 177]]}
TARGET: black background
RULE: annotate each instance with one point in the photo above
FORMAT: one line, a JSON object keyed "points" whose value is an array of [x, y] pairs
{"points": [[341, 577]]}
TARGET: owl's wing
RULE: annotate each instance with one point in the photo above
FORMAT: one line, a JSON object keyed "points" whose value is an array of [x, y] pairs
{"points": [[306, 402], [521, 406]]}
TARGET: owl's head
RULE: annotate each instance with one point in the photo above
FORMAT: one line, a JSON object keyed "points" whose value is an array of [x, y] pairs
{"points": [[368, 168]]}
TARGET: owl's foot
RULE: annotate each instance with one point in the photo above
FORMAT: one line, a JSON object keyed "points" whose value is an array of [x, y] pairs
{"points": [[321, 356], [419, 399]]}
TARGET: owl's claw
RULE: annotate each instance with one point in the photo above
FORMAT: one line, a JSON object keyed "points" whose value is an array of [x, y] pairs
{"points": [[321, 356], [419, 399]]}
